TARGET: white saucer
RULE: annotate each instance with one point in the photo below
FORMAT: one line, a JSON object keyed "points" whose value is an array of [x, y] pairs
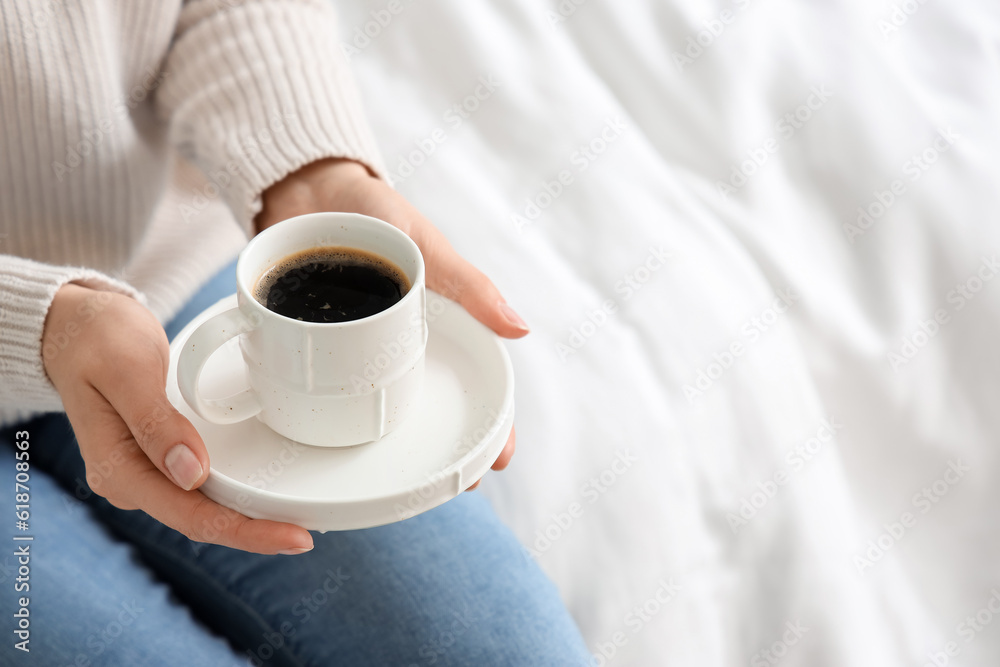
{"points": [[451, 439]]}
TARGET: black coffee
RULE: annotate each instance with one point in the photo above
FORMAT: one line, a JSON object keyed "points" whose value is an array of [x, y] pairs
{"points": [[331, 285]]}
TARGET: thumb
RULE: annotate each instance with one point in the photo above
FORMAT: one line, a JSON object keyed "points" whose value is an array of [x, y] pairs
{"points": [[169, 440], [454, 277]]}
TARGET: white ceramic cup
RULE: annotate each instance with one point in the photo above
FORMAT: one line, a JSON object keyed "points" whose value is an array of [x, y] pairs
{"points": [[327, 384]]}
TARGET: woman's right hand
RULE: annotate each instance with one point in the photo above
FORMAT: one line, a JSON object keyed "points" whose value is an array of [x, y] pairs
{"points": [[107, 356]]}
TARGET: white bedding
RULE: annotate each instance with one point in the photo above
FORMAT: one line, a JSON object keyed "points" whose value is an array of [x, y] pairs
{"points": [[637, 482]]}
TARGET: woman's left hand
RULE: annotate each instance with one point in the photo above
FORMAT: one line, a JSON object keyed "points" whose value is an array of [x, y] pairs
{"points": [[345, 185]]}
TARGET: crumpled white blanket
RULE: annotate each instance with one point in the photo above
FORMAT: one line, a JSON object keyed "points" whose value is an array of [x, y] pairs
{"points": [[758, 246]]}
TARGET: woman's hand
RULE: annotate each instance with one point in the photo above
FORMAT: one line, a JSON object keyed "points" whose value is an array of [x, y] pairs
{"points": [[344, 185], [107, 355]]}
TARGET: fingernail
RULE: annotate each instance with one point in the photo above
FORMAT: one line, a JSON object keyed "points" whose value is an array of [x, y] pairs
{"points": [[295, 552], [183, 466], [513, 317]]}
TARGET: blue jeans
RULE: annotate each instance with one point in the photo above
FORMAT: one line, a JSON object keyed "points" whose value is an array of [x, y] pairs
{"points": [[113, 587]]}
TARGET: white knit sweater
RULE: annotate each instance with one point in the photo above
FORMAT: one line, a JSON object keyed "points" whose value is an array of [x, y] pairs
{"points": [[94, 97]]}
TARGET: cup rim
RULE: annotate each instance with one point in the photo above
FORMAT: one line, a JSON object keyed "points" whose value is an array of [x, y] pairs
{"points": [[418, 282]]}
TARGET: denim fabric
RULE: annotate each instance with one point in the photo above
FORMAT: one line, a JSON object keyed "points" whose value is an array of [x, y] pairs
{"points": [[112, 587]]}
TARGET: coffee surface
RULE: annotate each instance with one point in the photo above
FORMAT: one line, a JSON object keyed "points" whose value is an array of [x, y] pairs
{"points": [[331, 284]]}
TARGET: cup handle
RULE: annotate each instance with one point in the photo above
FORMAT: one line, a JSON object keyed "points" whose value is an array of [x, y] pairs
{"points": [[205, 340]]}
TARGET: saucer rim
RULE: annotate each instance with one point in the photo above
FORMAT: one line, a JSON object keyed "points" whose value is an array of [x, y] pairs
{"points": [[491, 441]]}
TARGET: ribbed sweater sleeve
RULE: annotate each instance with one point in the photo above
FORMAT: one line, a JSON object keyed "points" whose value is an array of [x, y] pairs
{"points": [[26, 291], [255, 90]]}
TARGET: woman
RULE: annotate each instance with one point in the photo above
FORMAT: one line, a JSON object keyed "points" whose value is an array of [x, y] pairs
{"points": [[92, 96]]}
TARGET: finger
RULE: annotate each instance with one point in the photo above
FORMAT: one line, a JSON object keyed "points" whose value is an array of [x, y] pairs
{"points": [[166, 436], [105, 443], [203, 520], [507, 454], [454, 277], [118, 470]]}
